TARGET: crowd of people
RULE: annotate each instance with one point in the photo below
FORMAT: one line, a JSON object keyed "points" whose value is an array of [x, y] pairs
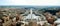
{"points": [[49, 17]]}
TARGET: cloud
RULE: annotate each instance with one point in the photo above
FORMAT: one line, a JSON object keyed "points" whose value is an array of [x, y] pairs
{"points": [[30, 2]]}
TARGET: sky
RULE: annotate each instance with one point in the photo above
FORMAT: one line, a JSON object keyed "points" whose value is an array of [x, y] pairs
{"points": [[31, 2]]}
